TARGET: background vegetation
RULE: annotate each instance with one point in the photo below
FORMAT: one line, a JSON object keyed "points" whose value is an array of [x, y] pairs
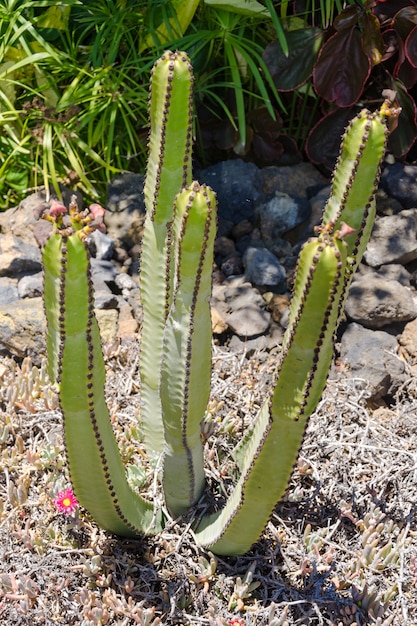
{"points": [[275, 81]]}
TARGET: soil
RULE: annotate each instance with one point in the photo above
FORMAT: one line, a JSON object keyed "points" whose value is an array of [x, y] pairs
{"points": [[340, 549]]}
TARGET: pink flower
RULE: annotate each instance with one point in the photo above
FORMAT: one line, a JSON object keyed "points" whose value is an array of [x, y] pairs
{"points": [[235, 622], [97, 210], [66, 502], [56, 208]]}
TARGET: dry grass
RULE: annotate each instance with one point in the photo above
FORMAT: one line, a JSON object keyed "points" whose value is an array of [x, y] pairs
{"points": [[341, 549]]}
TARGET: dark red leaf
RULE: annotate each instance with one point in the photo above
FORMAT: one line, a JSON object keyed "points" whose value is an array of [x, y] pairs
{"points": [[373, 44], [407, 74], [390, 39], [403, 137], [411, 47], [403, 70], [261, 120], [386, 10], [405, 20], [342, 68], [267, 149], [347, 18], [323, 142], [291, 154], [291, 72]]}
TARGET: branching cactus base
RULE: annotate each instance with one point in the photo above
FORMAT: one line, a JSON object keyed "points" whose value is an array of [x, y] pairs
{"points": [[175, 366]]}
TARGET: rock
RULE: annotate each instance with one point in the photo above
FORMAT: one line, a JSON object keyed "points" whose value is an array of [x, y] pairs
{"points": [[245, 227], [102, 272], [23, 220], [240, 294], [22, 329], [17, 257], [370, 356], [124, 282], [317, 204], [224, 247], [8, 290], [103, 245], [30, 286], [281, 214], [248, 346], [132, 296], [391, 271], [386, 205], [394, 271], [400, 182], [263, 269], [226, 257], [278, 304], [393, 239], [127, 325], [107, 321], [297, 181], [218, 323], [105, 299], [248, 317], [375, 302], [232, 266], [126, 212], [250, 321], [237, 186], [125, 194], [408, 343]]}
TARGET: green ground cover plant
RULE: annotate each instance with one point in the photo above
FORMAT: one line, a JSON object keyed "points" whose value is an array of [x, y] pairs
{"points": [[74, 82]]}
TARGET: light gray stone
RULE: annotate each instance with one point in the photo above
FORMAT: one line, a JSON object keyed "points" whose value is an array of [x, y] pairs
{"points": [[371, 356], [375, 302], [22, 328], [18, 257], [8, 290], [30, 286], [263, 269], [393, 239]]}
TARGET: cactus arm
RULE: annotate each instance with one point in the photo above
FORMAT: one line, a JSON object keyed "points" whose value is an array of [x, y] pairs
{"points": [[186, 361], [51, 297], [168, 171], [323, 276], [278, 433], [94, 460], [351, 201]]}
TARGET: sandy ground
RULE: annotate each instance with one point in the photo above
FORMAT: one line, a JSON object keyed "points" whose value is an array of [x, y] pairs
{"points": [[340, 549]]}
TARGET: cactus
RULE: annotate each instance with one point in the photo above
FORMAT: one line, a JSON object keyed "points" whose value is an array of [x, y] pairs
{"points": [[168, 171], [175, 366]]}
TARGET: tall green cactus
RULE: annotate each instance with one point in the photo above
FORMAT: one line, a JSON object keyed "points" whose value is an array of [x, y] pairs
{"points": [[168, 171], [175, 367]]}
